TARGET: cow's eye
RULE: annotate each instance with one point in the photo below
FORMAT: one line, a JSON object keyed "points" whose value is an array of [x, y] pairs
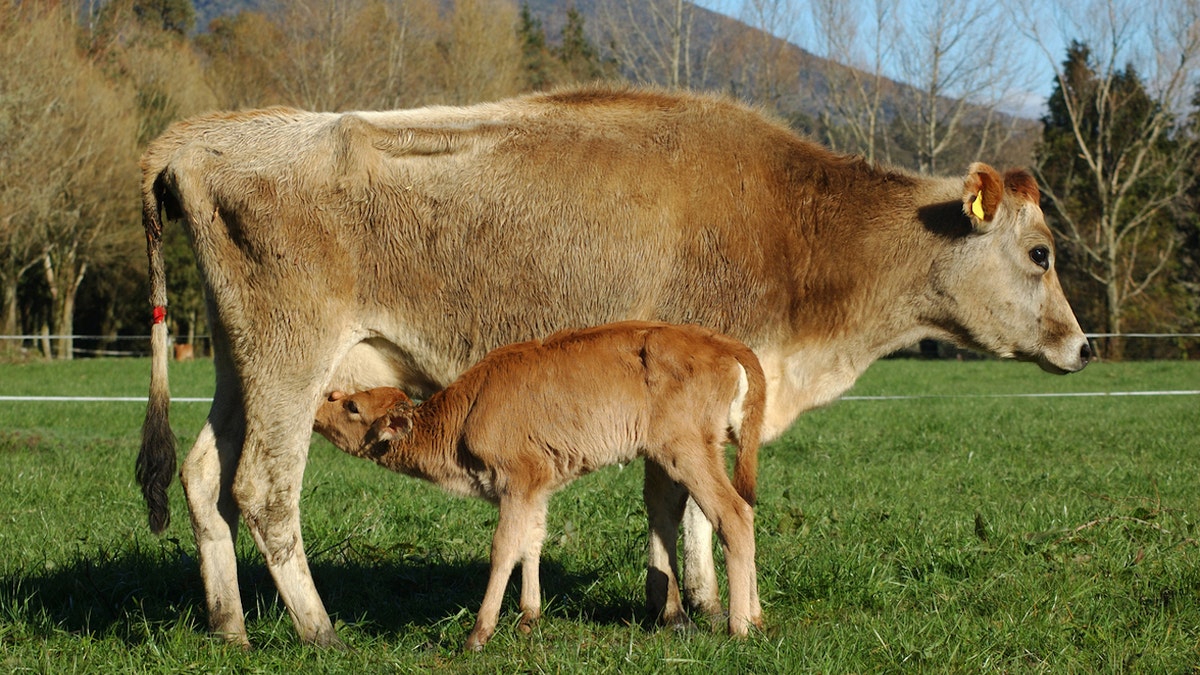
{"points": [[352, 407], [1040, 255]]}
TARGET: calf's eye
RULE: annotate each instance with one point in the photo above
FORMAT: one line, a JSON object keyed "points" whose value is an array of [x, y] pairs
{"points": [[352, 407], [1040, 255]]}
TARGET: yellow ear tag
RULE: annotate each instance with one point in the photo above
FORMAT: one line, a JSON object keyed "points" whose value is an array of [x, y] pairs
{"points": [[977, 207]]}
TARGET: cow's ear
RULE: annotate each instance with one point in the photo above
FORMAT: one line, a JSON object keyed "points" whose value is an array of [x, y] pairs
{"points": [[1020, 183], [982, 191]]}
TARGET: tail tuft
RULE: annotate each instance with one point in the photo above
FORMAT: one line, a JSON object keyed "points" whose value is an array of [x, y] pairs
{"points": [[156, 460]]}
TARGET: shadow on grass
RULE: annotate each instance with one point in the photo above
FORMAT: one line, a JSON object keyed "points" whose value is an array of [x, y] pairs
{"points": [[134, 594]]}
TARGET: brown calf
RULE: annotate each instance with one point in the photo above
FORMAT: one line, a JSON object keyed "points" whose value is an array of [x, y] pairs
{"points": [[533, 416]]}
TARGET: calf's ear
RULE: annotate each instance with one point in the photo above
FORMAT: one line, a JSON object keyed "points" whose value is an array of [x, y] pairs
{"points": [[391, 426], [983, 188]]}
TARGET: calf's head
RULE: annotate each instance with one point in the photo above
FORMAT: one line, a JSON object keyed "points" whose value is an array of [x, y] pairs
{"points": [[346, 419], [995, 287]]}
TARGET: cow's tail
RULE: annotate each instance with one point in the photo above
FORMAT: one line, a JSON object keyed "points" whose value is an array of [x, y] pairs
{"points": [[749, 434], [156, 460]]}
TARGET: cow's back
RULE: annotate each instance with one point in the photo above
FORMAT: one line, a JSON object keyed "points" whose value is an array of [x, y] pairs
{"points": [[580, 212], [446, 232]]}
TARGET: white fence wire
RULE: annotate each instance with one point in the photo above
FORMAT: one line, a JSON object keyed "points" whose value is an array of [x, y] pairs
{"points": [[912, 397], [1177, 345]]}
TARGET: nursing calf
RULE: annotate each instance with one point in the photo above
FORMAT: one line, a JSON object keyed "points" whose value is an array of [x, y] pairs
{"points": [[530, 417]]}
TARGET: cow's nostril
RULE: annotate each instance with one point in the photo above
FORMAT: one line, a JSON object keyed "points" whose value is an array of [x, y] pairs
{"points": [[1085, 352]]}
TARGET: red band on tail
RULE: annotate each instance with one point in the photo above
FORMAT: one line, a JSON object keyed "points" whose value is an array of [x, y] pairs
{"points": [[160, 315]]}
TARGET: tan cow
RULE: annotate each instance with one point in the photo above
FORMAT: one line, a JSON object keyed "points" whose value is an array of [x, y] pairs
{"points": [[531, 417], [349, 251]]}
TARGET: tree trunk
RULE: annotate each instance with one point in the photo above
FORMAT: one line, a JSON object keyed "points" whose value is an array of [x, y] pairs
{"points": [[66, 326], [49, 328], [46, 341], [1115, 344], [10, 326]]}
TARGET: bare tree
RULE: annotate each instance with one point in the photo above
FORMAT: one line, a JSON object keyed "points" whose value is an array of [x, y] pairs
{"points": [[338, 54], [761, 62], [245, 54], [332, 59], [856, 50], [653, 40], [483, 55], [409, 77], [70, 146], [1120, 99], [961, 66], [27, 193]]}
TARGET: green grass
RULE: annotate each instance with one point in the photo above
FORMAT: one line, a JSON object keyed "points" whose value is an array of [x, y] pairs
{"points": [[940, 534]]}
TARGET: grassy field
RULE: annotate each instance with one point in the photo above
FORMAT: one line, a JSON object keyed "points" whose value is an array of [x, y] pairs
{"points": [[955, 532]]}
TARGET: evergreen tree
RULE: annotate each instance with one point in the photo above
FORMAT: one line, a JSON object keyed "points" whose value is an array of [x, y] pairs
{"points": [[578, 55], [1111, 161], [536, 60], [176, 16]]}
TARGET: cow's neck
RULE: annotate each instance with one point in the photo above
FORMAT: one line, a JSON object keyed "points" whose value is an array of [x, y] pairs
{"points": [[875, 305]]}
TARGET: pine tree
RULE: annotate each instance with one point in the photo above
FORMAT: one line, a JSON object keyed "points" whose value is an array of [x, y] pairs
{"points": [[578, 55], [1112, 162], [536, 60]]}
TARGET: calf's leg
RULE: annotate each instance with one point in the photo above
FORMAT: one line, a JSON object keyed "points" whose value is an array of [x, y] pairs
{"points": [[531, 588], [517, 518], [702, 473], [664, 500]]}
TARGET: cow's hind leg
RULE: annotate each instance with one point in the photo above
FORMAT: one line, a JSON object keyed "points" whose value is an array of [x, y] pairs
{"points": [[267, 487], [664, 507], [207, 478], [280, 400]]}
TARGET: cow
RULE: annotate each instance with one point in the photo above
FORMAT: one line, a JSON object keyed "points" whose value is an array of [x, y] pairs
{"points": [[532, 416], [355, 250]]}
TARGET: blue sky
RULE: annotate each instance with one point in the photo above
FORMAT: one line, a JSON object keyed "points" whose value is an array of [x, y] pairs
{"points": [[1036, 80]]}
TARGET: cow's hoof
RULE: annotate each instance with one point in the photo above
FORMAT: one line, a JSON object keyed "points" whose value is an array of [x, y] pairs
{"points": [[678, 622]]}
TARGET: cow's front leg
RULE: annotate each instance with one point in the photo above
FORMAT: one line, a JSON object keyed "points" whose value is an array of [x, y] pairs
{"points": [[699, 571]]}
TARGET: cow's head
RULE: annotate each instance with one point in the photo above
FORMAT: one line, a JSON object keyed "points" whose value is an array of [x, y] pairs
{"points": [[346, 419], [995, 285]]}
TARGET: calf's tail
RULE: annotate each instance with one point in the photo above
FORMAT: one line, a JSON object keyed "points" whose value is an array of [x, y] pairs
{"points": [[156, 460], [749, 436]]}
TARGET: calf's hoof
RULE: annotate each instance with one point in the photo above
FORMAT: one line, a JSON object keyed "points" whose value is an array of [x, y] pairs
{"points": [[741, 626], [525, 625], [477, 639]]}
